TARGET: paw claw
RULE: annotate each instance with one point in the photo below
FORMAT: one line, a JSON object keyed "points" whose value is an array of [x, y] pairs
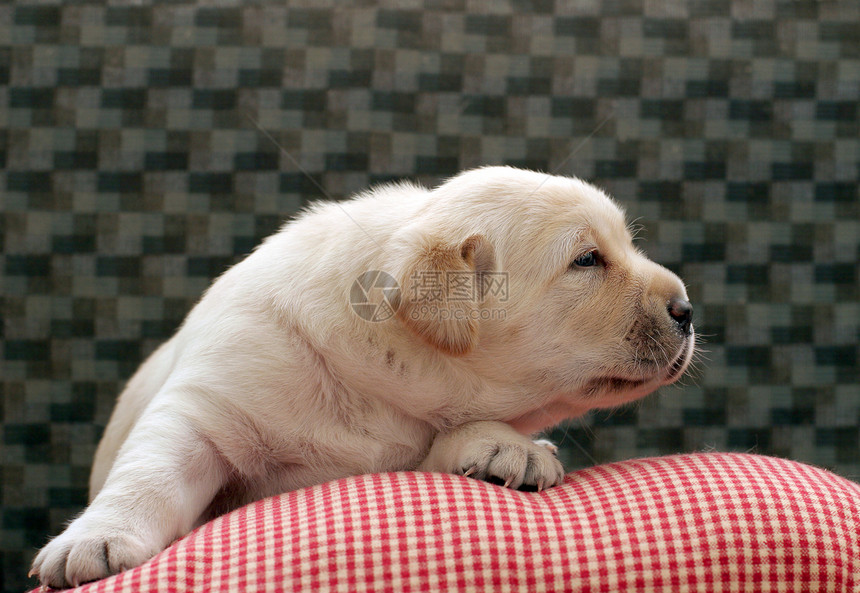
{"points": [[470, 471], [548, 445], [80, 555]]}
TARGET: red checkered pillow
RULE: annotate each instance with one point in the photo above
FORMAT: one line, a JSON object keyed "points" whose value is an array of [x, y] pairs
{"points": [[706, 522]]}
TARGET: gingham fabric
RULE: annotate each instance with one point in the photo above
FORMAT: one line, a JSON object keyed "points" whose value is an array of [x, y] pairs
{"points": [[704, 522]]}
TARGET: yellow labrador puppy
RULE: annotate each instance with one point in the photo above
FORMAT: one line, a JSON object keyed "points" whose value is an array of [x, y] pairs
{"points": [[405, 329]]}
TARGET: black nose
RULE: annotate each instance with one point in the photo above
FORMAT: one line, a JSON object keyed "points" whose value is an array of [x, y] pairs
{"points": [[682, 312]]}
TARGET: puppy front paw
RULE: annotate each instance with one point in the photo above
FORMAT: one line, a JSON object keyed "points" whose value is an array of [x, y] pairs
{"points": [[512, 464], [85, 553]]}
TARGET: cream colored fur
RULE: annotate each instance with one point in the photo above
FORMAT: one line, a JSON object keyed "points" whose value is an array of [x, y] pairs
{"points": [[274, 383]]}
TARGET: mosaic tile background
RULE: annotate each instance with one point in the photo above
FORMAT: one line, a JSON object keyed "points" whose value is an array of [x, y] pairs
{"points": [[140, 156]]}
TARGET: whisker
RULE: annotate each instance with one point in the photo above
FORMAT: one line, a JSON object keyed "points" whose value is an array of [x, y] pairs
{"points": [[587, 427], [585, 452], [575, 149], [634, 229], [298, 166], [566, 437]]}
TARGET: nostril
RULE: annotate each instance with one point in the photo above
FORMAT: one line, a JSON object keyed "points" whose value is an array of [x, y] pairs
{"points": [[682, 312]]}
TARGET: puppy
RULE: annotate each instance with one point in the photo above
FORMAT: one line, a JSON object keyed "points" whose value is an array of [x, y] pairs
{"points": [[404, 329]]}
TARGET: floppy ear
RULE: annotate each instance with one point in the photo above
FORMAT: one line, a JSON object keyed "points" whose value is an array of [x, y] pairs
{"points": [[442, 292]]}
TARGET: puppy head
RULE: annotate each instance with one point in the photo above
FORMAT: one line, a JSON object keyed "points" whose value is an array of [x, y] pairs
{"points": [[589, 320]]}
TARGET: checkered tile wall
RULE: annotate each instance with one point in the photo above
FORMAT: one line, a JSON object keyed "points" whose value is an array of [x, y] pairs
{"points": [[145, 147]]}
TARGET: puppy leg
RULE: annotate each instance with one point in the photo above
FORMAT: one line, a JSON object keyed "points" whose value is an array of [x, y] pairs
{"points": [[163, 478], [490, 449]]}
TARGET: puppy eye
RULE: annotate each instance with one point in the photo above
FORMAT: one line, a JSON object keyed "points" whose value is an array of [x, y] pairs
{"points": [[586, 260]]}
